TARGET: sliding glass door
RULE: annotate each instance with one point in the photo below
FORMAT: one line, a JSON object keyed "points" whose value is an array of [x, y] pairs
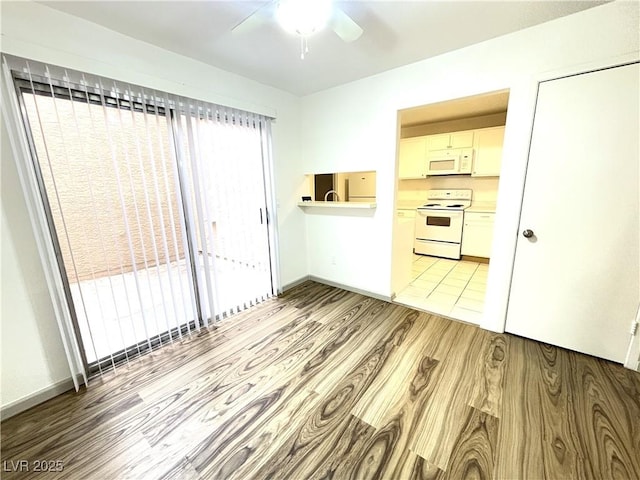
{"points": [[157, 208], [227, 203]]}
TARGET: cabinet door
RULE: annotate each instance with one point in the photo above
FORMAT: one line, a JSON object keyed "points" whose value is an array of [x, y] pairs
{"points": [[438, 142], [488, 154], [443, 141], [412, 158], [461, 139], [477, 234]]}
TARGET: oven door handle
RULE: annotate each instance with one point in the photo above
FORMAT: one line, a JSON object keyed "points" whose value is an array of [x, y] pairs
{"points": [[440, 213]]}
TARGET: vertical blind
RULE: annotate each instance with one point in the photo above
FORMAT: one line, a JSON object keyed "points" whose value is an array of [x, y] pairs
{"points": [[158, 208]]}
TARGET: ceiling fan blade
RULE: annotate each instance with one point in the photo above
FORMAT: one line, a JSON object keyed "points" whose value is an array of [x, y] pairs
{"points": [[259, 17], [344, 26]]}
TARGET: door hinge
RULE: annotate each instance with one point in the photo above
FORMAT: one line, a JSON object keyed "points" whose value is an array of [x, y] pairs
{"points": [[634, 328]]}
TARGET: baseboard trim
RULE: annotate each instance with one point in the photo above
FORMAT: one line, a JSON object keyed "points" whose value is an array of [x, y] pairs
{"points": [[36, 398], [470, 258], [348, 288], [295, 283]]}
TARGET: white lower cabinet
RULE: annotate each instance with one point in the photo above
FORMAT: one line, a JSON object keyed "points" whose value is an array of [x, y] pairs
{"points": [[477, 234], [408, 215]]}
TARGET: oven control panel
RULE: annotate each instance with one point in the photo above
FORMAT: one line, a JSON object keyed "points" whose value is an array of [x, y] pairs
{"points": [[462, 194]]}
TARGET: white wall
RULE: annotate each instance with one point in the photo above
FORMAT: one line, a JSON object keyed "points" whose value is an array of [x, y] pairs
{"points": [[40, 33], [354, 127], [32, 354]]}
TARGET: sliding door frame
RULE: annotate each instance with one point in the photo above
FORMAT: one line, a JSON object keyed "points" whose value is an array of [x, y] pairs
{"points": [[118, 356], [186, 216], [53, 235], [270, 210], [160, 105]]}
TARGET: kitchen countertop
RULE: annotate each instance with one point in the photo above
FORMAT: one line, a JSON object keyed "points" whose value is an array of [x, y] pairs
{"points": [[409, 205], [482, 207], [338, 204]]}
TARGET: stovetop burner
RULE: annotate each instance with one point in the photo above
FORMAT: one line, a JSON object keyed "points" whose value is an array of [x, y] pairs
{"points": [[444, 206]]}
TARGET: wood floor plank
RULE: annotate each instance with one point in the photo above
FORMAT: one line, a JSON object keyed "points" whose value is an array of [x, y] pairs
{"points": [[538, 434], [159, 363], [114, 462], [605, 426], [74, 434], [85, 449], [322, 383], [473, 455], [559, 441], [299, 452], [403, 377], [208, 409], [68, 409], [238, 451], [443, 415], [244, 446], [249, 442], [625, 384], [488, 389], [254, 385], [339, 455], [399, 418], [268, 323], [414, 467], [520, 435], [379, 312]]}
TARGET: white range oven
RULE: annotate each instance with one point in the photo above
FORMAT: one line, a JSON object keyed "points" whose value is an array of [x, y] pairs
{"points": [[438, 223]]}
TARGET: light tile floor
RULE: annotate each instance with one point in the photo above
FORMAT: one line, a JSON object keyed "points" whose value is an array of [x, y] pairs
{"points": [[452, 288]]}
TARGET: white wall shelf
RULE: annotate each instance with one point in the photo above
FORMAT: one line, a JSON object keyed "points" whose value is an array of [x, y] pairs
{"points": [[357, 205]]}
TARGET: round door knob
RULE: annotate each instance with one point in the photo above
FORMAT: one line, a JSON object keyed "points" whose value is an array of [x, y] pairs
{"points": [[527, 233]]}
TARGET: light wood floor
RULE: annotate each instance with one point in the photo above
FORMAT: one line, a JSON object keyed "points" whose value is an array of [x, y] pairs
{"points": [[326, 384]]}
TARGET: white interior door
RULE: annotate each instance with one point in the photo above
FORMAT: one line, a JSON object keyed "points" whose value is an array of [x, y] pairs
{"points": [[576, 280]]}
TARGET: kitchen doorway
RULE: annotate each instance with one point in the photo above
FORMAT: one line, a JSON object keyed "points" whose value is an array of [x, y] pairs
{"points": [[445, 148]]}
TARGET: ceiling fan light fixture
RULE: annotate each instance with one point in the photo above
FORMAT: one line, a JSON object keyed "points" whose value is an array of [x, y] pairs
{"points": [[303, 17]]}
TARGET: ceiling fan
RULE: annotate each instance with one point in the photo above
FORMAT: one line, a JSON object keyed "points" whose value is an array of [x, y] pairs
{"points": [[303, 18]]}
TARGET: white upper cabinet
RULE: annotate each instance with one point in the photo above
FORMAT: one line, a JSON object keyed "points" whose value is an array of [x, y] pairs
{"points": [[412, 158], [488, 152], [486, 142], [451, 140]]}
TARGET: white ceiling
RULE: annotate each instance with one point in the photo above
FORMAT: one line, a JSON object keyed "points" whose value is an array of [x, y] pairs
{"points": [[395, 33]]}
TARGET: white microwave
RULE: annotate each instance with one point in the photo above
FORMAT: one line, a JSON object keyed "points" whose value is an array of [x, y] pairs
{"points": [[456, 161]]}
